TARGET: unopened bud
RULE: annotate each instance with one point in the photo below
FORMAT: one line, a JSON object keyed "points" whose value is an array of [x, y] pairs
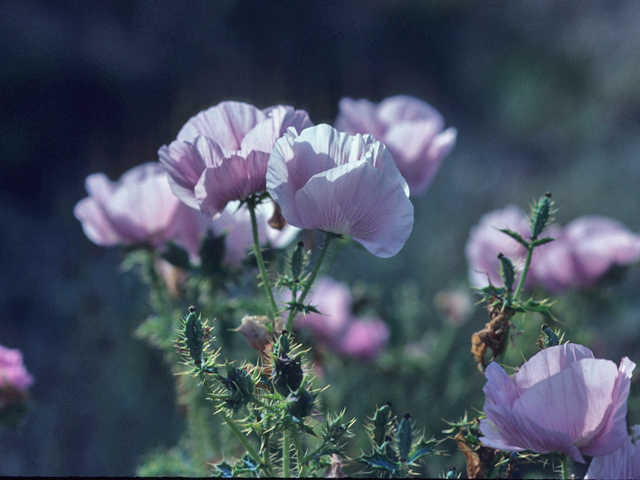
{"points": [[277, 221]]}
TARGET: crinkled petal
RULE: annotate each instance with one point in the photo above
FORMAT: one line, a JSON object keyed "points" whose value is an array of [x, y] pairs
{"points": [[297, 158], [499, 389], [507, 429], [549, 362], [575, 401], [358, 200], [226, 123], [279, 118], [185, 165], [235, 178], [623, 463], [614, 430], [380, 157]]}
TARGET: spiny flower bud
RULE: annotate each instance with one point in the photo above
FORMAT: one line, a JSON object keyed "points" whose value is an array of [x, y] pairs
{"points": [[405, 437], [507, 271], [193, 336], [540, 215], [287, 374], [300, 403], [380, 423]]}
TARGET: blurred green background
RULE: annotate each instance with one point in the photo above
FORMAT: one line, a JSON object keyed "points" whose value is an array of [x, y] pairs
{"points": [[545, 96]]}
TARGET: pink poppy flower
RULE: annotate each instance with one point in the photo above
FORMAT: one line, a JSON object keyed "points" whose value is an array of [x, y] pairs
{"points": [[410, 128], [337, 329], [140, 208], [623, 463], [588, 247], [364, 339], [327, 180], [486, 241], [221, 154], [561, 400], [14, 378], [333, 300]]}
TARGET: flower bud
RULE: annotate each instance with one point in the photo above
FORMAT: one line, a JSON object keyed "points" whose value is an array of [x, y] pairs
{"points": [[540, 215], [277, 221], [287, 374], [300, 403], [193, 336], [405, 437]]}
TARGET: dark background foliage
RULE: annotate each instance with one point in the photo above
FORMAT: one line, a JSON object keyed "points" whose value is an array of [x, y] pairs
{"points": [[545, 96]]}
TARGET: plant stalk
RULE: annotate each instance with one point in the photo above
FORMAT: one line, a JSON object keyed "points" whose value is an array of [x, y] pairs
{"points": [[251, 205], [292, 314]]}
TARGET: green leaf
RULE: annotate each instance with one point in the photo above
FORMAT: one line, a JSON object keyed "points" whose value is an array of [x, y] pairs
{"points": [[516, 236], [380, 461], [225, 470], [542, 241], [422, 449]]}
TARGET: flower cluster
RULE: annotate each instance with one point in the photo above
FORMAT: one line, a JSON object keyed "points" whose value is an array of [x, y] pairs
{"points": [[337, 329], [562, 399], [583, 252], [410, 128], [221, 154], [14, 378]]}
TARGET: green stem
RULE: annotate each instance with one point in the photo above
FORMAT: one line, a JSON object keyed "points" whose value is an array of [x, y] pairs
{"points": [[564, 467], [286, 467], [292, 313], [302, 466], [251, 205], [525, 271], [233, 426], [267, 445], [403, 470]]}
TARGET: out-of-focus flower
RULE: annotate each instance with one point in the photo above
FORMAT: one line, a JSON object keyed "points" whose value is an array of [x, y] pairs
{"points": [[327, 180], [221, 154], [235, 223], [333, 300], [587, 248], [364, 339], [410, 128], [337, 329], [138, 209], [583, 252], [561, 400], [623, 463], [455, 305], [486, 241], [14, 378]]}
